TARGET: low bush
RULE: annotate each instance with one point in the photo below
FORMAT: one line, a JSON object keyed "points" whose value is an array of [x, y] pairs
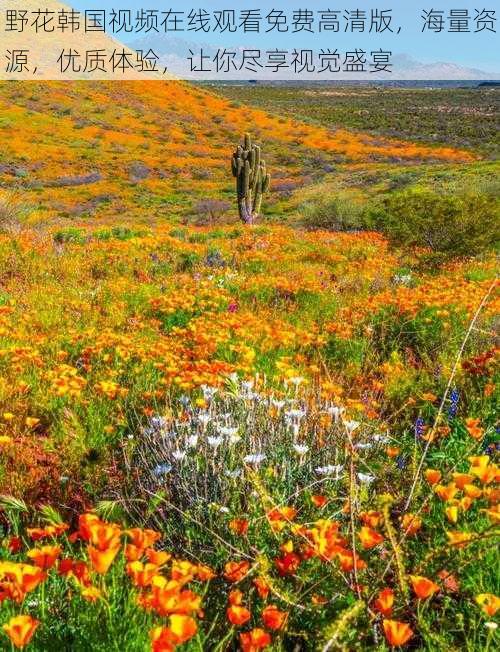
{"points": [[334, 213], [71, 234], [450, 226]]}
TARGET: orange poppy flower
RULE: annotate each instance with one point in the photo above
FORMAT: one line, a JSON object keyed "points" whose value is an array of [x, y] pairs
{"points": [[461, 479], [346, 560], [384, 602], [473, 428], [158, 557], [182, 627], [459, 539], [262, 587], [287, 546], [472, 491], [423, 587], [84, 523], [369, 538], [167, 598], [44, 557], [484, 471], [254, 640], [282, 513], [15, 545], [493, 514], [235, 597], [91, 593], [75, 568], [101, 560], [132, 553], [20, 629], [318, 500], [396, 633], [234, 571], [446, 492], [27, 577], [162, 640], [274, 618], [183, 570], [204, 573], [489, 603], [141, 574], [237, 615], [452, 513], [104, 535], [287, 564], [38, 533], [143, 538], [239, 526], [372, 518], [165, 639], [433, 476], [479, 461], [492, 495], [411, 524]]}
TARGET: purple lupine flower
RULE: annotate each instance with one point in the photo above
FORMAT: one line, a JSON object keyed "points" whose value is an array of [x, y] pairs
{"points": [[401, 462], [419, 428], [454, 399]]}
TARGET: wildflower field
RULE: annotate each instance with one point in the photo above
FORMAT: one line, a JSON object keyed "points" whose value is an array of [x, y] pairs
{"points": [[222, 436]]}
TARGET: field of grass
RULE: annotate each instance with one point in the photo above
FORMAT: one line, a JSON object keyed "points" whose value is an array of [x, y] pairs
{"points": [[216, 436]]}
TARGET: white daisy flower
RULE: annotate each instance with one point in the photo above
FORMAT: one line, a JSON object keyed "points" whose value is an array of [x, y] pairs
{"points": [[381, 439], [300, 449], [366, 478], [330, 469], [335, 412], [295, 414], [351, 426], [255, 458], [233, 474], [192, 441], [214, 442], [226, 431], [204, 418], [208, 392]]}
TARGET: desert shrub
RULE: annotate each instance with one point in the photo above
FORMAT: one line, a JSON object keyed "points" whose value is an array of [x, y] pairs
{"points": [[187, 261], [118, 233], [451, 226], [71, 234], [209, 211], [334, 213]]}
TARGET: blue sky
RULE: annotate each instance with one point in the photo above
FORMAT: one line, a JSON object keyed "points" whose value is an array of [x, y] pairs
{"points": [[474, 50]]}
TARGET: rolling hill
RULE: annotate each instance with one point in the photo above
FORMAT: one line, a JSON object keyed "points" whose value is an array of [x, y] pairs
{"points": [[142, 150]]}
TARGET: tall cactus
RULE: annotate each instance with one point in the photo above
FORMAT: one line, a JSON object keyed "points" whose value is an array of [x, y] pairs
{"points": [[252, 179]]}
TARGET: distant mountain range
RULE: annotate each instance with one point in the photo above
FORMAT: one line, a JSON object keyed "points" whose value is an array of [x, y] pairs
{"points": [[174, 52]]}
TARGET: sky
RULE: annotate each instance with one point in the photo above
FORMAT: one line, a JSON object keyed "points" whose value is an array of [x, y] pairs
{"points": [[474, 50]]}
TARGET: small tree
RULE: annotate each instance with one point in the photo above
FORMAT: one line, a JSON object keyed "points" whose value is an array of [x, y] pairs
{"points": [[252, 180]]}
